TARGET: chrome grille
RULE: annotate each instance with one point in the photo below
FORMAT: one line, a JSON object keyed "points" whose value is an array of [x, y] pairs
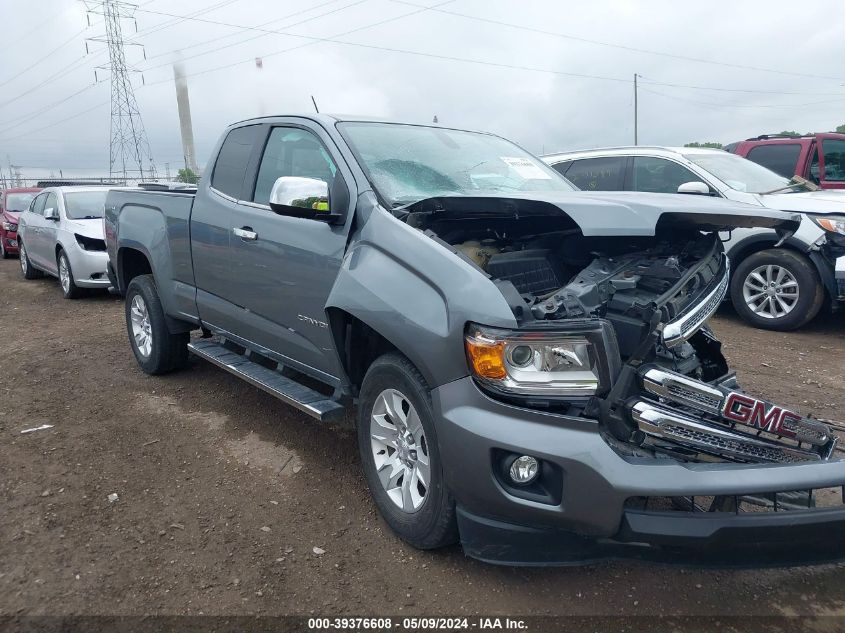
{"points": [[682, 328]]}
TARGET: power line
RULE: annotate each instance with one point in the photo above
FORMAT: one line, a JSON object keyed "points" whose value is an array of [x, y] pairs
{"points": [[33, 115], [217, 39], [35, 63], [744, 105], [264, 34], [624, 47], [55, 123]]}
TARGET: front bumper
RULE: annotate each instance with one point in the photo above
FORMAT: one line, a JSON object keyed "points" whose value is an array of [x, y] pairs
{"points": [[593, 519], [89, 267], [10, 241]]}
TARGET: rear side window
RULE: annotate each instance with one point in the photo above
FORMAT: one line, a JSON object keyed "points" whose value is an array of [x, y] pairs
{"points": [[598, 174], [781, 158], [231, 165], [658, 175], [834, 159]]}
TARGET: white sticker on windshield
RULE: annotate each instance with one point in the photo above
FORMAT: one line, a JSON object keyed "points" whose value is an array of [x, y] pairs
{"points": [[525, 168]]}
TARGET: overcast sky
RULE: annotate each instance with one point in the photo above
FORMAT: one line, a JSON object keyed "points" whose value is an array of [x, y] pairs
{"points": [[527, 85]]}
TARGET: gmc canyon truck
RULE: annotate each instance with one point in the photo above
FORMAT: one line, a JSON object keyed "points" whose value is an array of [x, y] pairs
{"points": [[531, 366]]}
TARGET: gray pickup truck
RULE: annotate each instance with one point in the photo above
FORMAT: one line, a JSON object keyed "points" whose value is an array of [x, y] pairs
{"points": [[531, 366]]}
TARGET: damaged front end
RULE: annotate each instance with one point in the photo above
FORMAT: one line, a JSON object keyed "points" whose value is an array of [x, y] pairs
{"points": [[612, 327]]}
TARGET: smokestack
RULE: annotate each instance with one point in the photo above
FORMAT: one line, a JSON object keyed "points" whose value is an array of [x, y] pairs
{"points": [[185, 125]]}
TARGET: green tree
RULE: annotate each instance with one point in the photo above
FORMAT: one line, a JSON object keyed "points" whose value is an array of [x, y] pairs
{"points": [[710, 144], [187, 175], [841, 128]]}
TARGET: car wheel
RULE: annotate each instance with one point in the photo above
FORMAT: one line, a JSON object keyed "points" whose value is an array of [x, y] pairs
{"points": [[400, 455], [4, 254], [69, 288], [27, 269], [776, 289], [156, 349]]}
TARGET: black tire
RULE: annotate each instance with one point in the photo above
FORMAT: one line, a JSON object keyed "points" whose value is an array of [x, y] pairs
{"points": [[73, 291], [810, 290], [433, 525], [27, 269], [167, 351], [4, 254]]}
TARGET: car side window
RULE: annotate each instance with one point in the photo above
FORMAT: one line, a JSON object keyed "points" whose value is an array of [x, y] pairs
{"points": [[781, 158], [562, 167], [598, 174], [38, 204], [658, 175], [834, 159], [292, 152], [233, 159], [50, 202]]}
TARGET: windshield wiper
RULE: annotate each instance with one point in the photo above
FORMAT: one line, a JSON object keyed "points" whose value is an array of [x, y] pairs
{"points": [[795, 181]]}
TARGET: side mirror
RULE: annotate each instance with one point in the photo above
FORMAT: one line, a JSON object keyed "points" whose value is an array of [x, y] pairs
{"points": [[303, 198], [51, 213], [695, 187]]}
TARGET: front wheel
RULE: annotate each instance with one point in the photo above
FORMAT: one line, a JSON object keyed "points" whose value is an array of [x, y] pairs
{"points": [[400, 455], [4, 254], [69, 288], [156, 349], [776, 289]]}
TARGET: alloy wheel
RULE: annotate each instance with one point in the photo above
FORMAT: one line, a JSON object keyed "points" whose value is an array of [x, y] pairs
{"points": [[22, 255], [400, 450], [141, 328], [64, 274], [770, 291]]}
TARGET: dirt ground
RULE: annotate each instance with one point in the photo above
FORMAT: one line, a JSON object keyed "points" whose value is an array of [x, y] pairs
{"points": [[223, 492]]}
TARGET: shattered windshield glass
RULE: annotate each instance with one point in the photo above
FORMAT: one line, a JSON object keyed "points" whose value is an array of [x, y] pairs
{"points": [[408, 163]]}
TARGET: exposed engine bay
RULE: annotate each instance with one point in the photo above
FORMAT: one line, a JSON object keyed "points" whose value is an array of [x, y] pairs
{"points": [[670, 392]]}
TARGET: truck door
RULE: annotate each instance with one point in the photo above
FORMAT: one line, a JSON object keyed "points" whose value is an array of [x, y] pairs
{"points": [[282, 269]]}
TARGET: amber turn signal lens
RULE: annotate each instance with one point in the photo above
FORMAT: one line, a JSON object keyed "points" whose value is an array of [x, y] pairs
{"points": [[487, 358]]}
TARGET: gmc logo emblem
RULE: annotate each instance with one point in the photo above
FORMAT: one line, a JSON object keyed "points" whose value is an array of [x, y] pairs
{"points": [[758, 414]]}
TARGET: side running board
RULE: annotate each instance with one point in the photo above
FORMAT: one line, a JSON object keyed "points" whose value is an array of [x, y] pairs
{"points": [[293, 393]]}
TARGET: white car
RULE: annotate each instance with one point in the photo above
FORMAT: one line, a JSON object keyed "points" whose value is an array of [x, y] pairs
{"points": [[61, 234], [773, 286]]}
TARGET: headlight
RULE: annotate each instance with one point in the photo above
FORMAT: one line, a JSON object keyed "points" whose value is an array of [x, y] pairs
{"points": [[831, 224], [569, 361], [8, 226]]}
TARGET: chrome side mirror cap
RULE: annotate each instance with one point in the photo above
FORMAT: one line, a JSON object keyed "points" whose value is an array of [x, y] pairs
{"points": [[696, 187], [309, 195]]}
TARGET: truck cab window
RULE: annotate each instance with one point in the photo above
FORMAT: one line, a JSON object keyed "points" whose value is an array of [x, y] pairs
{"points": [[231, 165], [292, 152]]}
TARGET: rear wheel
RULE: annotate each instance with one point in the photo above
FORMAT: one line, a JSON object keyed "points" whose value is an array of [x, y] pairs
{"points": [[4, 254], [156, 349], [400, 455], [69, 288], [27, 269], [777, 289]]}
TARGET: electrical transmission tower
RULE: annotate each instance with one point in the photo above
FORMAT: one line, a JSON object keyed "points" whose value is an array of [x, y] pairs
{"points": [[129, 149]]}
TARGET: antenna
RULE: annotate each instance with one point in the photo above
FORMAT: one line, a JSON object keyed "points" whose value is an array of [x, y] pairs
{"points": [[129, 147], [314, 101]]}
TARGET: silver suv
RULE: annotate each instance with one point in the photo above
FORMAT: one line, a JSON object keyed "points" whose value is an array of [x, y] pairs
{"points": [[776, 285]]}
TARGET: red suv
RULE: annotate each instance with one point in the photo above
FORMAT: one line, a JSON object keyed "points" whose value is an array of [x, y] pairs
{"points": [[820, 158], [12, 202]]}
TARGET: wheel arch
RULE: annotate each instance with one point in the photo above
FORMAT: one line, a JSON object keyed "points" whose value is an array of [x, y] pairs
{"points": [[757, 243]]}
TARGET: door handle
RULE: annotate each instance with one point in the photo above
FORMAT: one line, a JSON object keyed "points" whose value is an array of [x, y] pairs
{"points": [[246, 233]]}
